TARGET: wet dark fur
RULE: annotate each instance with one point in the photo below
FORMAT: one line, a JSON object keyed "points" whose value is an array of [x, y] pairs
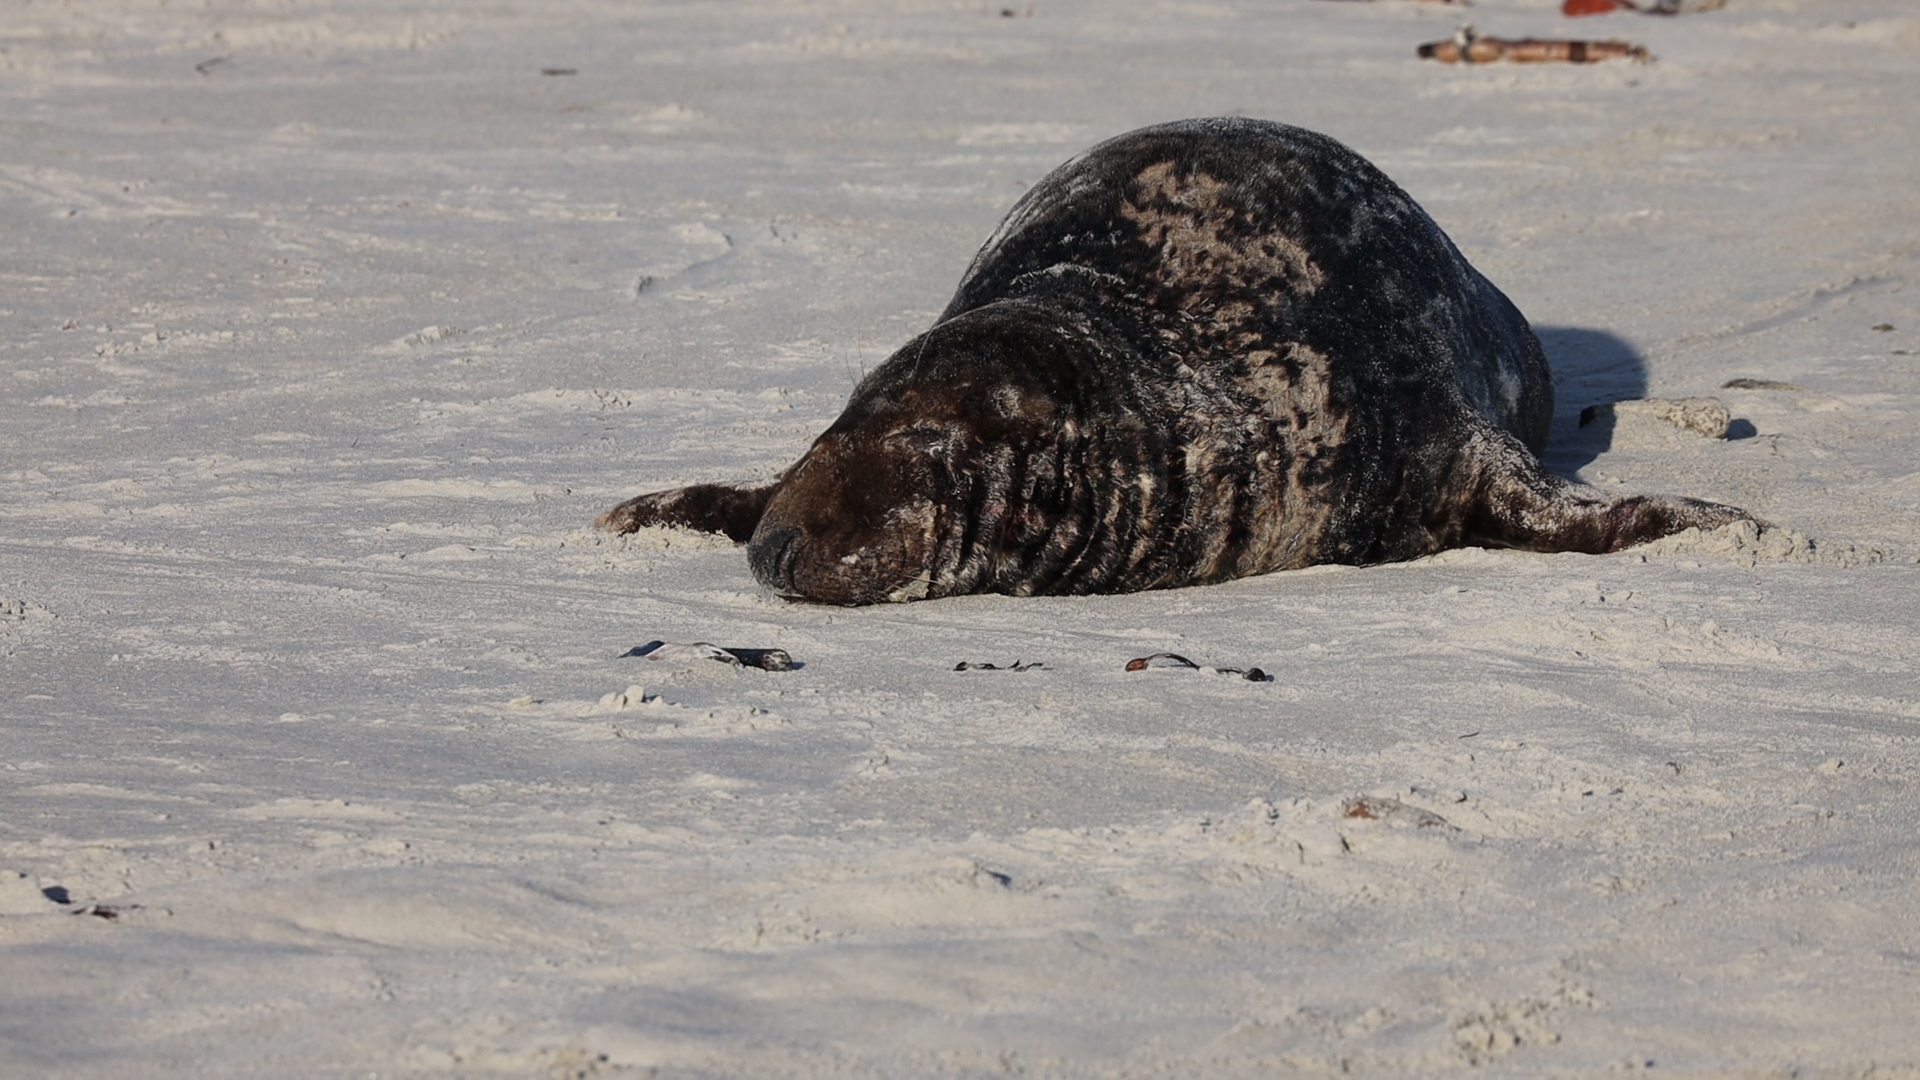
{"points": [[1196, 352]]}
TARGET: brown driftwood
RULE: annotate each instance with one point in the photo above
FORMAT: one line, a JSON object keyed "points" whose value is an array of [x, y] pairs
{"points": [[1466, 47], [1574, 9]]}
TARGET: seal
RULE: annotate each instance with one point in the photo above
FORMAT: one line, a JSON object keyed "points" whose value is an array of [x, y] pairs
{"points": [[1196, 352]]}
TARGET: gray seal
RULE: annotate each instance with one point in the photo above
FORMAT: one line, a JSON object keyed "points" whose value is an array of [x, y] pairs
{"points": [[1196, 352]]}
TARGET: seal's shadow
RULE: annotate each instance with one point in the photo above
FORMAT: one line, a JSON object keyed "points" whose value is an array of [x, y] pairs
{"points": [[1590, 367]]}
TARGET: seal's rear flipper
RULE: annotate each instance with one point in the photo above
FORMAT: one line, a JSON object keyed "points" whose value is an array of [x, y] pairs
{"points": [[720, 508], [1522, 505]]}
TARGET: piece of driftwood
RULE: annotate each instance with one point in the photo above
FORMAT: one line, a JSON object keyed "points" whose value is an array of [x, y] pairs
{"points": [[1574, 9], [1470, 48]]}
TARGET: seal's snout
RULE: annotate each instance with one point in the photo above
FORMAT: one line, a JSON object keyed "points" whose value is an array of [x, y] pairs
{"points": [[771, 553], [849, 526]]}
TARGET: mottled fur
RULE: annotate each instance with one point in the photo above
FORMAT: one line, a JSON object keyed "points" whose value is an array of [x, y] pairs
{"points": [[1196, 352]]}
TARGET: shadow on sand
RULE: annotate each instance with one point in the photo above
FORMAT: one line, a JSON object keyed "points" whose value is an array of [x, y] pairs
{"points": [[1590, 367], [1593, 367]]}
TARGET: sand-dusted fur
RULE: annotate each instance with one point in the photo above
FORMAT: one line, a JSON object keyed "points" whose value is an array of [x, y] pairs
{"points": [[1196, 352]]}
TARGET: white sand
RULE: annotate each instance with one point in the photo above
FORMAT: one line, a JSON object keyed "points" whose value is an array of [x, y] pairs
{"points": [[369, 318]]}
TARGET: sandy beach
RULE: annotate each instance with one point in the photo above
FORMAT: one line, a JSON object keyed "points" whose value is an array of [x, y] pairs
{"points": [[327, 327]]}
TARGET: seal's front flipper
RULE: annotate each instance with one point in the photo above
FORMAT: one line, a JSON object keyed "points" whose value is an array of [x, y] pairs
{"points": [[1522, 505], [720, 508]]}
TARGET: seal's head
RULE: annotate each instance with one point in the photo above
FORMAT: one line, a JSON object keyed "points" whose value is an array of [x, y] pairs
{"points": [[941, 476], [858, 519]]}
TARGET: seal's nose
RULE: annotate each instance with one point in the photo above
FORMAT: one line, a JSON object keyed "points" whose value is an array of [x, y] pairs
{"points": [[771, 557]]}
